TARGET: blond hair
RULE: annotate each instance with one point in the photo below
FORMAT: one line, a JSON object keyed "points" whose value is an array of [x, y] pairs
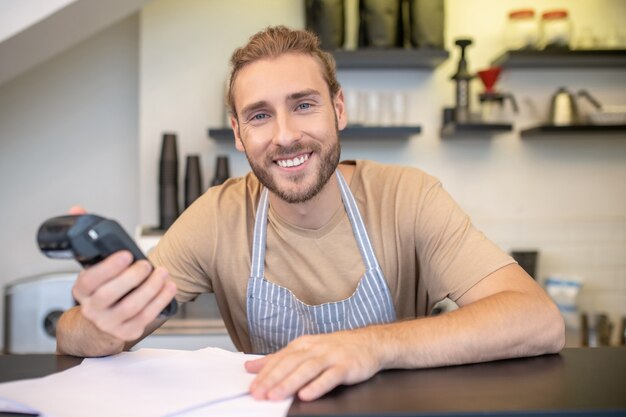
{"points": [[273, 42]]}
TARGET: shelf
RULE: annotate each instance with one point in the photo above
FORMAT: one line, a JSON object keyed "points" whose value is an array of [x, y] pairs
{"points": [[474, 129], [551, 130], [372, 58], [610, 58], [379, 132], [350, 132]]}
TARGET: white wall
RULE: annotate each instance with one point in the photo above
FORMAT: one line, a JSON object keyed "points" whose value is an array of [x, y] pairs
{"points": [[15, 15], [34, 31], [68, 135], [565, 195]]}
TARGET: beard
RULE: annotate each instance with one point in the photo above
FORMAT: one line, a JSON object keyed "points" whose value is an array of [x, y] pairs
{"points": [[329, 158]]}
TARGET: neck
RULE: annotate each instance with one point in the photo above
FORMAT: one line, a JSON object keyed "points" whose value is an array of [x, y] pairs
{"points": [[316, 212]]}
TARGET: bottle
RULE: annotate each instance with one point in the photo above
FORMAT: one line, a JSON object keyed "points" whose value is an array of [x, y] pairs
{"points": [[222, 171]]}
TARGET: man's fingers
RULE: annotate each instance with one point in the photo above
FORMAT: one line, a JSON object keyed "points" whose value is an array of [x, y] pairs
{"points": [[275, 371], [90, 279], [133, 329], [328, 380], [128, 280], [313, 365], [77, 210], [296, 378], [128, 318], [254, 366], [136, 299]]}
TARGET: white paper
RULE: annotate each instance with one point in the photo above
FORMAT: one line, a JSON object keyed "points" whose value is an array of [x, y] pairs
{"points": [[9, 406], [244, 406], [156, 382]]}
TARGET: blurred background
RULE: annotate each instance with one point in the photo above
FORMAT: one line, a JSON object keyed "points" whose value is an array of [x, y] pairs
{"points": [[89, 88]]}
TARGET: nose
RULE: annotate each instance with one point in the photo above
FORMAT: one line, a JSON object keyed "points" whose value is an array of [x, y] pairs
{"points": [[287, 130]]}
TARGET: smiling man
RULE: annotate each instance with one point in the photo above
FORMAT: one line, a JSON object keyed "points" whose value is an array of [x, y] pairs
{"points": [[329, 268]]}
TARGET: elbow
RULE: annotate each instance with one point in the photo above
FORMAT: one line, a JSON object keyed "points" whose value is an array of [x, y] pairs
{"points": [[555, 342]]}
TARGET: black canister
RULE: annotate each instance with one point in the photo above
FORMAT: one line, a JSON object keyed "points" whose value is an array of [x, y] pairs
{"points": [[193, 179], [222, 170], [326, 18], [381, 21], [427, 23], [168, 182]]}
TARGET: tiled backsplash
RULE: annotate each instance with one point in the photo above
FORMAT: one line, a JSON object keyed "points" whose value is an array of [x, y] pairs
{"points": [[593, 250]]}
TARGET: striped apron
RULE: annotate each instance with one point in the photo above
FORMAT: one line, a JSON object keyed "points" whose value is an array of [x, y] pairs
{"points": [[276, 316]]}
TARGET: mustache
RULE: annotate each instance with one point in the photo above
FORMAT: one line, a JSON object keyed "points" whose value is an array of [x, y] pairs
{"points": [[297, 147]]}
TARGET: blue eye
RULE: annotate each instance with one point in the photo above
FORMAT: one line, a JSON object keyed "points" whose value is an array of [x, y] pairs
{"points": [[259, 116], [304, 106]]}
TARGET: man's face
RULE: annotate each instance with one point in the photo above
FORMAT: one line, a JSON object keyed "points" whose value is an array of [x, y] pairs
{"points": [[288, 125]]}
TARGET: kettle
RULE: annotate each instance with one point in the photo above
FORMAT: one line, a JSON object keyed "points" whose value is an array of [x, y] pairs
{"points": [[563, 108]]}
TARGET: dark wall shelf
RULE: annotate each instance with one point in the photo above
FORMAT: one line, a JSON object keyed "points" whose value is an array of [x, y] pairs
{"points": [[551, 130], [373, 58], [610, 58], [350, 132], [474, 129], [380, 132]]}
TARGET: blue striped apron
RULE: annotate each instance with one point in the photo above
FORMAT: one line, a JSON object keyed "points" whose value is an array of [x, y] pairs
{"points": [[276, 316]]}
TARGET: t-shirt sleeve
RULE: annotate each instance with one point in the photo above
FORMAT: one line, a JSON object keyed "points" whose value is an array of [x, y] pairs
{"points": [[176, 251], [453, 255]]}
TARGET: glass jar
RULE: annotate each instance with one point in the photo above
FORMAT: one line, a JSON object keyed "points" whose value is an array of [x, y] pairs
{"points": [[556, 29], [522, 30]]}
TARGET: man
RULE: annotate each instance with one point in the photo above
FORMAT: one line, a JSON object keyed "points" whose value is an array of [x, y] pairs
{"points": [[330, 268]]}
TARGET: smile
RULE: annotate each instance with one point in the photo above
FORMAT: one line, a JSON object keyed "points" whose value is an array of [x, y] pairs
{"points": [[293, 162]]}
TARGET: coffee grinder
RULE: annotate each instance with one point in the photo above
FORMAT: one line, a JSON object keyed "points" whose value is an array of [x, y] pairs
{"points": [[492, 101], [462, 78]]}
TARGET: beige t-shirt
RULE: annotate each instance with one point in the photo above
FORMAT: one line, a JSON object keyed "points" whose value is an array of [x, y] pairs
{"points": [[426, 246]]}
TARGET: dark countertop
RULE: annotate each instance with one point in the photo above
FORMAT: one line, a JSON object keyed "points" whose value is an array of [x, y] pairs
{"points": [[578, 381]]}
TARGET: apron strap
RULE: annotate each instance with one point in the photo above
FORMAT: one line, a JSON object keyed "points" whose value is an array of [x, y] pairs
{"points": [[358, 226], [260, 235]]}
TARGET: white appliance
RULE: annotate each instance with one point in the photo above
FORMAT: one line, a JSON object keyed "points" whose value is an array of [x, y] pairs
{"points": [[33, 306]]}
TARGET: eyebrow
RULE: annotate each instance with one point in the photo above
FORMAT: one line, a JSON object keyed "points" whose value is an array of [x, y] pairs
{"points": [[304, 93]]}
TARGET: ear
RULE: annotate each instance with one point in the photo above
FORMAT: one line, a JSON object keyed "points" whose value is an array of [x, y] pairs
{"points": [[234, 124], [340, 110]]}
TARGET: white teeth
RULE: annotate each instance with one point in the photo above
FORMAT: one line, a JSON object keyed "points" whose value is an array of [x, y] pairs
{"points": [[292, 162]]}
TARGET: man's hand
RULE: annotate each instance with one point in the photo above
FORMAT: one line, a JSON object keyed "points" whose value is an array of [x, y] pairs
{"points": [[313, 365], [119, 301], [122, 299]]}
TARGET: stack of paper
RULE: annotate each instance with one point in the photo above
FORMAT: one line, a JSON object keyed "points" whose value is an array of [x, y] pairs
{"points": [[149, 382]]}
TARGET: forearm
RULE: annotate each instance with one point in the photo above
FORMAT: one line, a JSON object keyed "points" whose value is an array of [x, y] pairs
{"points": [[504, 325], [78, 336]]}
